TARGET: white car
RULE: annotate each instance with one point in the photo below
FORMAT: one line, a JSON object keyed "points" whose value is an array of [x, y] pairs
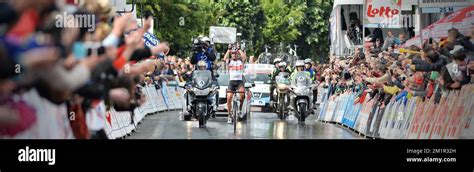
{"points": [[261, 92], [259, 75]]}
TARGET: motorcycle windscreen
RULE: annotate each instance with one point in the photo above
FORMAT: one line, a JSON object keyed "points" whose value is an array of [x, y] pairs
{"points": [[301, 79], [283, 78], [202, 79]]}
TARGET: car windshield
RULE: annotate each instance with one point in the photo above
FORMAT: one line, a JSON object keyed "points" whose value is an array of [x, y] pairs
{"points": [[259, 78], [223, 79]]}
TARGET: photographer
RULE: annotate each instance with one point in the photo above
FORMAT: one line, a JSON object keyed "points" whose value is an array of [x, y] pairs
{"points": [[203, 51]]}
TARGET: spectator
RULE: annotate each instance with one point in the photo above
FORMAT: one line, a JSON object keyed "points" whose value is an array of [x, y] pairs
{"points": [[389, 40], [400, 40]]}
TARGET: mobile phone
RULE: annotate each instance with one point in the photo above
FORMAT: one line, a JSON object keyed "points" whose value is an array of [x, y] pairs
{"points": [[79, 50]]}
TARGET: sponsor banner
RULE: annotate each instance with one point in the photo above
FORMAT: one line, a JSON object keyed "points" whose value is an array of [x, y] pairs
{"points": [[382, 13], [224, 35]]}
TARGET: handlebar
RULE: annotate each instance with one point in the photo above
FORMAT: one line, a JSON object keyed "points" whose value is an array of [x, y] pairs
{"points": [[228, 91]]}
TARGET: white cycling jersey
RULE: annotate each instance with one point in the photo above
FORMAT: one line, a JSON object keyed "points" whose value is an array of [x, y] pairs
{"points": [[236, 70]]}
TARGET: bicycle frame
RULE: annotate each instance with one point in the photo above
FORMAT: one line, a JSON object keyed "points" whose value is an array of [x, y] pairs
{"points": [[236, 106]]}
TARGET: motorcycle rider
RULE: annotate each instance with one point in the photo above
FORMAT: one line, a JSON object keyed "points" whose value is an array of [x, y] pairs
{"points": [[236, 76], [279, 67], [201, 65], [308, 67], [203, 55], [299, 66]]}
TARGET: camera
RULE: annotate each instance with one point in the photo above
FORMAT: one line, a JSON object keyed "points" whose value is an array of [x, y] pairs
{"points": [[198, 45]]}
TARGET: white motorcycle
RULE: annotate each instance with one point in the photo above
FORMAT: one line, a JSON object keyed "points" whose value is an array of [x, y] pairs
{"points": [[301, 95]]}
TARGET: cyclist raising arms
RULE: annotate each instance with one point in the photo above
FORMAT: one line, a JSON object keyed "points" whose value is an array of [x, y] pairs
{"points": [[236, 76]]}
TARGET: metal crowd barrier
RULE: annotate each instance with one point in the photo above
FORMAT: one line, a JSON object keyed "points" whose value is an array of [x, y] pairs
{"points": [[451, 118], [52, 121]]}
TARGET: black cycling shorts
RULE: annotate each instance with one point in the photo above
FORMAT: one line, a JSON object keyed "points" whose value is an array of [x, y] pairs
{"points": [[234, 85]]}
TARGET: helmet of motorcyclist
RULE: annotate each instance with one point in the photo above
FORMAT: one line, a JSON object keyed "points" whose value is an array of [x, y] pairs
{"points": [[299, 65], [307, 63], [202, 65], [282, 65], [277, 61]]}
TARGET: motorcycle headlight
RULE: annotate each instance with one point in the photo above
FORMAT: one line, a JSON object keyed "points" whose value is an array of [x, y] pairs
{"points": [[303, 91], [203, 92]]}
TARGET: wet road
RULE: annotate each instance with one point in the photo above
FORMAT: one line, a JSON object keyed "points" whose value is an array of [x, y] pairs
{"points": [[167, 125]]}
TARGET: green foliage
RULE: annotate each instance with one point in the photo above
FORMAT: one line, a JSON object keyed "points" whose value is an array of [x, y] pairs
{"points": [[270, 22], [282, 21]]}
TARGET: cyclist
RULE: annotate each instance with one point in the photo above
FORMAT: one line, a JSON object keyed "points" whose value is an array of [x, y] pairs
{"points": [[236, 77]]}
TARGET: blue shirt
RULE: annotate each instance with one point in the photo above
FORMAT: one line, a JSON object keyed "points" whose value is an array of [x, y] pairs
{"points": [[202, 56], [311, 72]]}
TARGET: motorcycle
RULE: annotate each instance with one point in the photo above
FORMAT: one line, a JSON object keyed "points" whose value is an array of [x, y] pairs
{"points": [[301, 95], [201, 95], [281, 95]]}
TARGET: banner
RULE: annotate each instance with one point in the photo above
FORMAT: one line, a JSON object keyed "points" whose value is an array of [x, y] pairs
{"points": [[407, 118], [224, 35], [444, 3], [382, 13], [150, 40], [412, 118], [172, 98]]}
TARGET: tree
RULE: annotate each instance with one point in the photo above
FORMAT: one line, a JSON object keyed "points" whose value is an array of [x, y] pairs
{"points": [[314, 41], [282, 21], [305, 23], [178, 23], [245, 16]]}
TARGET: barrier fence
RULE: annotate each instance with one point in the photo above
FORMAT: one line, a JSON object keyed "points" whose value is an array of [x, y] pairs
{"points": [[53, 123], [406, 118], [167, 98], [451, 118]]}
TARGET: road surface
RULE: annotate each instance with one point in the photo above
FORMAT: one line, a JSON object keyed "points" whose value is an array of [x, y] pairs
{"points": [[166, 125]]}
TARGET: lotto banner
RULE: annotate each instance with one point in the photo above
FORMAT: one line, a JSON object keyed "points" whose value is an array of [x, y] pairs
{"points": [[429, 119], [382, 13], [416, 125]]}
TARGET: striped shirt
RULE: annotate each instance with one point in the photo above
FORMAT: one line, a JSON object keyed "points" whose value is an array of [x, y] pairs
{"points": [[236, 70]]}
